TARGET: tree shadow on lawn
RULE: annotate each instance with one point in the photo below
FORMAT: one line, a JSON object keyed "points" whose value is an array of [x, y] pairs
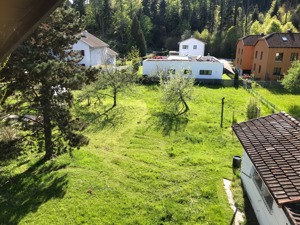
{"points": [[168, 123], [26, 192]]}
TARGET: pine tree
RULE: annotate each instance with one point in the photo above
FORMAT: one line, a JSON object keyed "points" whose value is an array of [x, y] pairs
{"points": [[138, 36], [79, 6], [40, 75]]}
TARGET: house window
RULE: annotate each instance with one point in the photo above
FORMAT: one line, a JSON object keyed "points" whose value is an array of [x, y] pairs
{"points": [[82, 52], [195, 47], [263, 190], [261, 55], [185, 47], [259, 68], [277, 71], [237, 62], [205, 72], [189, 72], [278, 56], [256, 54], [294, 56], [171, 71], [241, 62], [239, 51], [254, 67], [242, 52]]}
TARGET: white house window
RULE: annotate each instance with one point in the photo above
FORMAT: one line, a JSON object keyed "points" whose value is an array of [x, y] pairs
{"points": [[194, 46], [82, 52], [205, 72], [264, 192], [185, 47]]}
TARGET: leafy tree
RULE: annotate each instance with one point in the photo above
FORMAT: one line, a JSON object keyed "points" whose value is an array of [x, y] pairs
{"points": [[274, 26], [229, 44], [138, 36], [176, 90], [39, 78], [110, 83], [291, 80], [256, 28]]}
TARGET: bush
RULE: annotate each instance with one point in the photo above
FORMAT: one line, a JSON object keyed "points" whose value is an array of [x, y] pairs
{"points": [[252, 109]]}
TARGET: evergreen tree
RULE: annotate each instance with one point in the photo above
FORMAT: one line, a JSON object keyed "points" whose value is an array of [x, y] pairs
{"points": [[40, 76], [79, 6], [138, 36]]}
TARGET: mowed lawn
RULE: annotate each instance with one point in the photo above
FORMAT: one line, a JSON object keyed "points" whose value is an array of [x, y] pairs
{"points": [[281, 98], [140, 167]]}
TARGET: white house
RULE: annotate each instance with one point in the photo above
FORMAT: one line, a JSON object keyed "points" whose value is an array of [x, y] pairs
{"points": [[191, 47], [94, 51], [270, 169], [205, 67]]}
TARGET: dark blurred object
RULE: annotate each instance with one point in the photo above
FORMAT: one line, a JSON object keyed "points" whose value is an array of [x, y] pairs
{"points": [[18, 18]]}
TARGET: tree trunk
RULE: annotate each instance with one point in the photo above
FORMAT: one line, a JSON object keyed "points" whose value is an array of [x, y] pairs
{"points": [[46, 108]]}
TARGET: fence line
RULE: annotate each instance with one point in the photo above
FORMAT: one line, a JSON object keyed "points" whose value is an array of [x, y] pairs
{"points": [[248, 87]]}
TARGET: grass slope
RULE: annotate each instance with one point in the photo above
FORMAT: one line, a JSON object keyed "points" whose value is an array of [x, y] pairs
{"points": [[141, 167]]}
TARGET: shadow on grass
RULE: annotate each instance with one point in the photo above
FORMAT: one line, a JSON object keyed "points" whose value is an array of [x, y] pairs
{"points": [[294, 110], [97, 121], [26, 192], [168, 123]]}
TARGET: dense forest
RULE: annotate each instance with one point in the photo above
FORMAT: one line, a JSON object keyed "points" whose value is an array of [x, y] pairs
{"points": [[161, 24]]}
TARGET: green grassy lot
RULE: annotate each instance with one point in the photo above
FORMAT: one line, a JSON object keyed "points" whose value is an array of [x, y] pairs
{"points": [[281, 98], [141, 166]]}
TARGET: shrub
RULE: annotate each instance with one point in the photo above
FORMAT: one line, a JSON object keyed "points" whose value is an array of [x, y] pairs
{"points": [[252, 109]]}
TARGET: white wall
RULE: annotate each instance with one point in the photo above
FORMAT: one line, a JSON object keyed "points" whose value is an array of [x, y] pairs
{"points": [[153, 67], [265, 217], [80, 45], [191, 51], [98, 56]]}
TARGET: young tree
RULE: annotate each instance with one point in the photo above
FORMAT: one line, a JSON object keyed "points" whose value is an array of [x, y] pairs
{"points": [[252, 109], [176, 90], [40, 74], [79, 6], [291, 80], [110, 83]]}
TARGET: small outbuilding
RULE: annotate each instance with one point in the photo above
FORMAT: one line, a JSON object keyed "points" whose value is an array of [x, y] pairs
{"points": [[270, 168]]}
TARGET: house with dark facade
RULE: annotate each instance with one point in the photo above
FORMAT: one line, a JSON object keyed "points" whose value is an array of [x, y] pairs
{"points": [[270, 168], [269, 56]]}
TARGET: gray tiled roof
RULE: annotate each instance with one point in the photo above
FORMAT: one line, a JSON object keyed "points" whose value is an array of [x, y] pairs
{"points": [[283, 40], [273, 145], [250, 40], [92, 40]]}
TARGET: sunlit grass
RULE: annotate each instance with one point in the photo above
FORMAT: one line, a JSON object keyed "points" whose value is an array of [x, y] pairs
{"points": [[140, 167]]}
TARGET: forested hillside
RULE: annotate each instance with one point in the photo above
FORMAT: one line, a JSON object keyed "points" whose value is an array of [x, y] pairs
{"points": [[160, 24]]}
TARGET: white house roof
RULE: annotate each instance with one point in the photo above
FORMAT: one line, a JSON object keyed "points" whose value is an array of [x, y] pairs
{"points": [[191, 38], [92, 40]]}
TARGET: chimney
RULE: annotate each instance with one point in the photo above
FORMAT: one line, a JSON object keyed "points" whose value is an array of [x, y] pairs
{"points": [[84, 33], [289, 30], [262, 34]]}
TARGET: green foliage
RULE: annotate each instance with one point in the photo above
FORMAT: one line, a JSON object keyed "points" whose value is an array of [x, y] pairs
{"points": [[176, 90], [138, 36], [274, 26], [252, 109], [39, 78], [256, 28], [291, 80]]}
